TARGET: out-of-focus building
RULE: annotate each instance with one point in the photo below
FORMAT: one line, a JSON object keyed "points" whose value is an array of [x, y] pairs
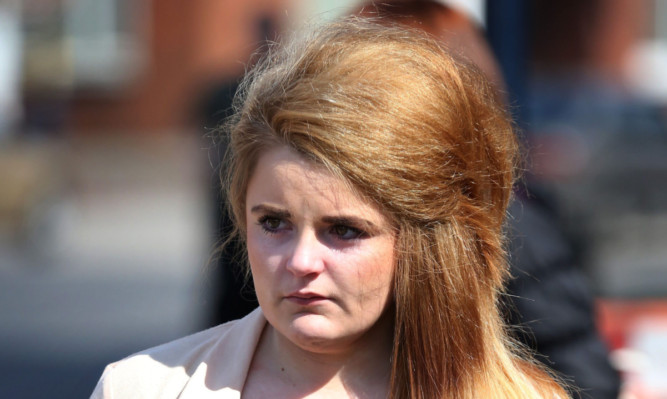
{"points": [[141, 65]]}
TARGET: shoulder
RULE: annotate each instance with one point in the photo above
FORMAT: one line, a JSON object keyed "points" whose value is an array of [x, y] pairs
{"points": [[213, 359]]}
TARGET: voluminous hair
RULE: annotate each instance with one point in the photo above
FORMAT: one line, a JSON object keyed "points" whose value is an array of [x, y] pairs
{"points": [[423, 136]]}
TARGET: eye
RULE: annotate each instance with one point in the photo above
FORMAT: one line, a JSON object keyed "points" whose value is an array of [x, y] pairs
{"points": [[271, 224], [344, 232]]}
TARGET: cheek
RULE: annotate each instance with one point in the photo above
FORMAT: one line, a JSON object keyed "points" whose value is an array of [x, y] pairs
{"points": [[384, 274], [385, 258], [263, 256], [375, 271], [261, 271], [256, 256], [251, 247], [257, 242], [387, 266]]}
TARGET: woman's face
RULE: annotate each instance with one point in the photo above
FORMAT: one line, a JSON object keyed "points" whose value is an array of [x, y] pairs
{"points": [[321, 257]]}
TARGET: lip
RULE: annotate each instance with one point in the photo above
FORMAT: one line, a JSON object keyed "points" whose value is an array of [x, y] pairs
{"points": [[305, 298]]}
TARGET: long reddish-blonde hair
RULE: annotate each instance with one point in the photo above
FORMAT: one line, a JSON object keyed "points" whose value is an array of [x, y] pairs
{"points": [[421, 135]]}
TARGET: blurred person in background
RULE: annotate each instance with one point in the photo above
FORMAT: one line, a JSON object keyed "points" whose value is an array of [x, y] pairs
{"points": [[548, 297], [232, 297], [371, 206]]}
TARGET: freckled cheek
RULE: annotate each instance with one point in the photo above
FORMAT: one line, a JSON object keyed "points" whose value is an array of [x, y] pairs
{"points": [[369, 276], [380, 271]]}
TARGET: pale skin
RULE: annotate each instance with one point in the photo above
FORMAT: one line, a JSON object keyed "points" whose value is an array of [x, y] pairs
{"points": [[322, 260]]}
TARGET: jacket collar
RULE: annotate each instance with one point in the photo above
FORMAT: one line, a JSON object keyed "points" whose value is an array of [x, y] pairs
{"points": [[223, 373]]}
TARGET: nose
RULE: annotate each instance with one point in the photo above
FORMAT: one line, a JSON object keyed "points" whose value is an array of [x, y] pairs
{"points": [[306, 257]]}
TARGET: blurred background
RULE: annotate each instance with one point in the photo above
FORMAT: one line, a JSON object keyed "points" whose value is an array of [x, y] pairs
{"points": [[107, 171]]}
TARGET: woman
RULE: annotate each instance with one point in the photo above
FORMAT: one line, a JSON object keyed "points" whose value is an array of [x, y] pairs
{"points": [[370, 173]]}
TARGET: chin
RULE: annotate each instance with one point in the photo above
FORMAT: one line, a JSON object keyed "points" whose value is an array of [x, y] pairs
{"points": [[312, 325], [313, 332]]}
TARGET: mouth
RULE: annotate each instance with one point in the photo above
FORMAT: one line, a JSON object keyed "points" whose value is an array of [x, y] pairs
{"points": [[305, 298]]}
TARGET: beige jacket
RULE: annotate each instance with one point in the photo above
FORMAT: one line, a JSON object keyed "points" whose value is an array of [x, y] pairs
{"points": [[210, 364]]}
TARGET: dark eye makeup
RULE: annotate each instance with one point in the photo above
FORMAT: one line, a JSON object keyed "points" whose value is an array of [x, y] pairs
{"points": [[270, 224], [344, 232], [343, 228]]}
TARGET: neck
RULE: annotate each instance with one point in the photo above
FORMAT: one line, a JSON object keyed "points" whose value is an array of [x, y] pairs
{"points": [[361, 369]]}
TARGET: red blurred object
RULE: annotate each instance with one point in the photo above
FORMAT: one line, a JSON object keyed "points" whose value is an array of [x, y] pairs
{"points": [[618, 318], [636, 331]]}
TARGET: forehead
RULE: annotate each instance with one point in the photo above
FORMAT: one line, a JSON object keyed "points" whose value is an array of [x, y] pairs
{"points": [[283, 175]]}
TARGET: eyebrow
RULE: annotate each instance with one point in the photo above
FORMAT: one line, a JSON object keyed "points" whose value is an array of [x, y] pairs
{"points": [[272, 210]]}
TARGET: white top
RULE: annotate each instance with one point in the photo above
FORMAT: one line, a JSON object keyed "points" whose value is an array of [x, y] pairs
{"points": [[210, 363]]}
